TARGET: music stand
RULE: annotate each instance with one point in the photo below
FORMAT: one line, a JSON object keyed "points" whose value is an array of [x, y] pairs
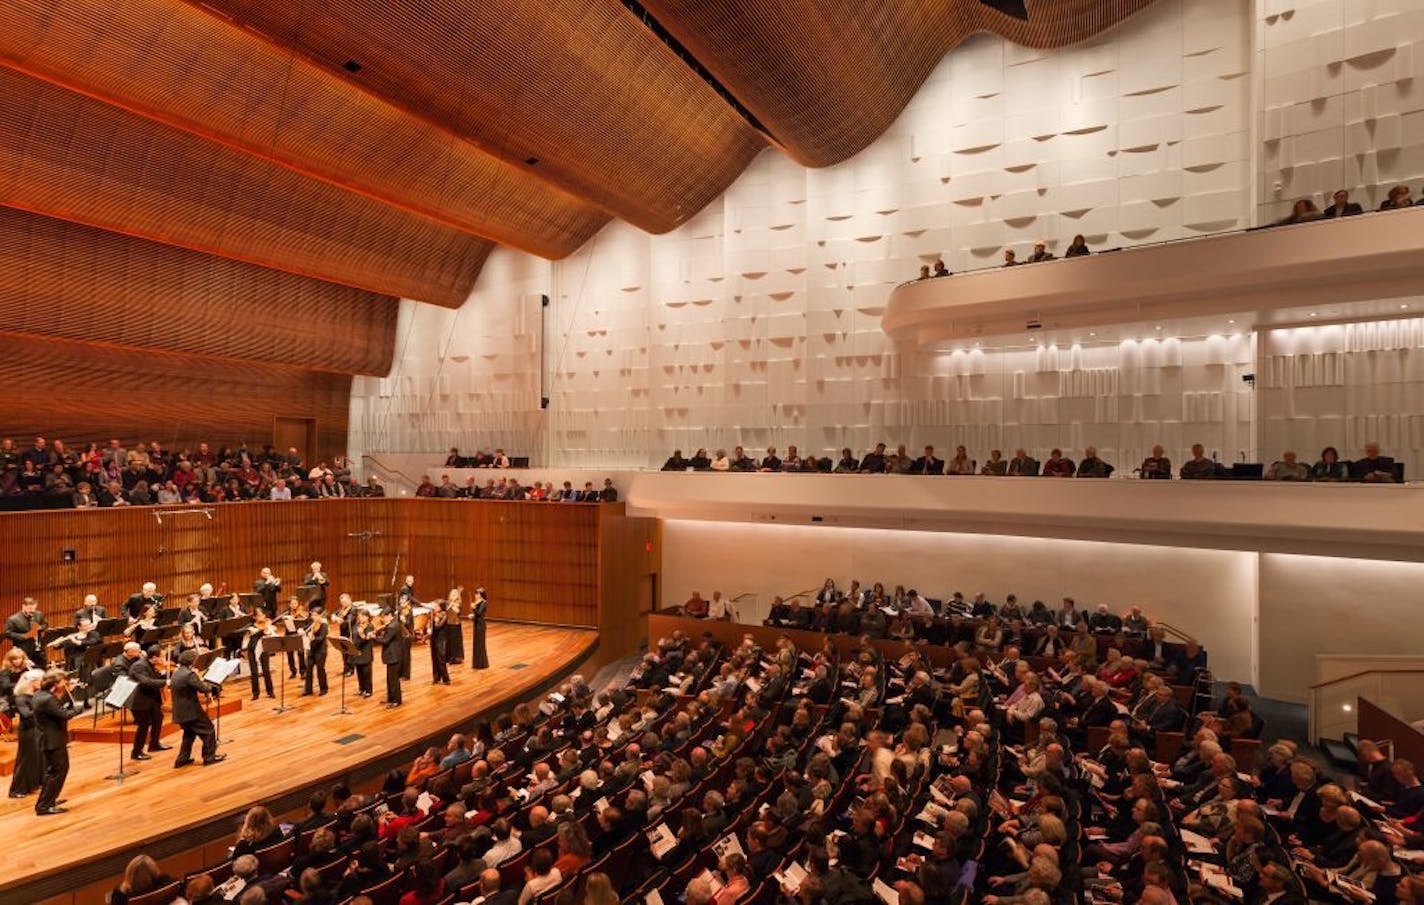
{"points": [[229, 627], [279, 644], [346, 649], [97, 656], [167, 617], [120, 694], [212, 607], [200, 666], [251, 600], [306, 593], [112, 626]]}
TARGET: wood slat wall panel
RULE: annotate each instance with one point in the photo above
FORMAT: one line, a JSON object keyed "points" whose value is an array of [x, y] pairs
{"points": [[76, 158], [79, 392], [540, 563], [65, 280], [179, 63], [827, 78], [609, 111]]}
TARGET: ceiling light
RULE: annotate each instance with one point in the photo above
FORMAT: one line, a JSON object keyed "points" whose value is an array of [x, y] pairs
{"points": [[1403, 306], [1159, 326], [1092, 334], [1231, 322]]}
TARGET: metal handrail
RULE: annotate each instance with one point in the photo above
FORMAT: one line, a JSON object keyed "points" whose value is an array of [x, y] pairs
{"points": [[1363, 672], [1171, 629]]}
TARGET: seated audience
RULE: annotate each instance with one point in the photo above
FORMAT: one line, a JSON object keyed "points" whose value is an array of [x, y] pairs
{"points": [[1077, 248], [1341, 206], [1156, 466], [1287, 469]]}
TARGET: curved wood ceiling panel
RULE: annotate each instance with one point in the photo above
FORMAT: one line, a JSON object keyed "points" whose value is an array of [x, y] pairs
{"points": [[827, 77], [185, 66], [605, 107], [75, 282], [79, 159]]}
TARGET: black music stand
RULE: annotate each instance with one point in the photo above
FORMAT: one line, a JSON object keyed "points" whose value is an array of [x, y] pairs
{"points": [[212, 607], [119, 697], [229, 627], [346, 649], [114, 625], [96, 657], [306, 593], [279, 644], [161, 634], [168, 616]]}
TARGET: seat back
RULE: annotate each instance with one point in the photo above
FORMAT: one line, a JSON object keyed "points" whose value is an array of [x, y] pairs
{"points": [[160, 896], [276, 858], [387, 892]]}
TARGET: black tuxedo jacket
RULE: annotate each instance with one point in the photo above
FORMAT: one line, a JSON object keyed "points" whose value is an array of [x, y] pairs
{"points": [[186, 686], [317, 635], [392, 644], [94, 613], [51, 720], [149, 694]]}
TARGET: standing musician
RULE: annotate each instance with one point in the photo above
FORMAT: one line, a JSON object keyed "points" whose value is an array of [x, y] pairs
{"points": [[52, 723], [144, 622], [405, 618], [233, 610], [147, 701], [316, 578], [316, 634], [269, 586], [29, 756], [148, 596], [363, 635], [407, 590], [76, 643], [439, 622], [188, 711], [344, 621], [479, 657], [91, 610], [454, 631], [390, 634], [296, 660], [23, 629], [258, 661]]}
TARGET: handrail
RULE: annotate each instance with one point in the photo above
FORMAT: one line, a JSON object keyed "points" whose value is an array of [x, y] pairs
{"points": [[799, 593], [1363, 672], [1172, 629], [376, 461], [743, 595]]}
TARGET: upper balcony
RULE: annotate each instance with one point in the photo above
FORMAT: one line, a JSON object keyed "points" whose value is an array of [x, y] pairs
{"points": [[1353, 264]]}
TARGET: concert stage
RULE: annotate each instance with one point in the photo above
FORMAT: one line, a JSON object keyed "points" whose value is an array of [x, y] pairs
{"points": [[272, 759]]}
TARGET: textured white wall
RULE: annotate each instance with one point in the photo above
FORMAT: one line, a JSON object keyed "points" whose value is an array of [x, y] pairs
{"points": [[1342, 99]]}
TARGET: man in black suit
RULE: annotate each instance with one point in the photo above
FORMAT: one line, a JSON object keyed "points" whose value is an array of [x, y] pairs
{"points": [[874, 461], [491, 892], [928, 464], [772, 462], [1342, 206], [316, 578], [188, 711], [1373, 468], [609, 493], [268, 586], [52, 724], [316, 651], [23, 629], [147, 596], [91, 610], [392, 642], [147, 701]]}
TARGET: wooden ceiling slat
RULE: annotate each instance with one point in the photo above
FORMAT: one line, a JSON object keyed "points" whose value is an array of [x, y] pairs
{"points": [[70, 281], [192, 69], [827, 77], [70, 156], [609, 111]]}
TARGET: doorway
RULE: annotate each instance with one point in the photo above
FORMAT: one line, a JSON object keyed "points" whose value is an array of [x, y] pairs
{"points": [[299, 432]]}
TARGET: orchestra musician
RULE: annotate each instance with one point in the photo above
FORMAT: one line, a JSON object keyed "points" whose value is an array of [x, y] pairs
{"points": [[259, 662], [363, 635], [454, 631], [91, 610], [189, 713], [74, 644], [23, 629], [390, 634], [439, 622], [190, 640], [407, 590], [14, 665], [147, 701], [316, 634], [144, 622], [405, 618], [344, 621], [316, 578], [479, 657], [148, 596], [29, 756], [52, 725], [269, 586], [296, 660], [233, 610], [193, 612]]}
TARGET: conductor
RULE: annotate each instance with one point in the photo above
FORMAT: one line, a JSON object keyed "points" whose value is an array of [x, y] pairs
{"points": [[52, 723], [188, 711]]}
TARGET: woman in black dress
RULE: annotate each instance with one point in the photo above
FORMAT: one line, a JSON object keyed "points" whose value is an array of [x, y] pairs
{"points": [[362, 636], [479, 658], [454, 630], [29, 759]]}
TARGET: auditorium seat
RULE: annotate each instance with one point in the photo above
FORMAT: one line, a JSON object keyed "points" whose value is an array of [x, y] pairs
{"points": [[277, 858], [387, 892], [160, 896], [218, 873], [1167, 745]]}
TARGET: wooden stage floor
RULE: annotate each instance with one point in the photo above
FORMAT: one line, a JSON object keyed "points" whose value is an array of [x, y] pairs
{"points": [[271, 758]]}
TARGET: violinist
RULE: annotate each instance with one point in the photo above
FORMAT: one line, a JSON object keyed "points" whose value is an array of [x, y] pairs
{"points": [[454, 631], [29, 758], [74, 644], [148, 596], [144, 622], [190, 640], [315, 666], [390, 634], [292, 621], [188, 712], [259, 662], [344, 622], [405, 619], [363, 635], [234, 610], [316, 578], [269, 586], [439, 619], [147, 701], [52, 725], [23, 629]]}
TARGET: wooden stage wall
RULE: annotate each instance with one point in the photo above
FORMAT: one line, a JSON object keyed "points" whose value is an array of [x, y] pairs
{"points": [[565, 564]]}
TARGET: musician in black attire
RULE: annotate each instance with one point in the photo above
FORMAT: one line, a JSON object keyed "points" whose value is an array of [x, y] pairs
{"points": [[405, 617], [189, 713], [29, 756], [479, 657], [269, 586], [147, 701], [406, 594], [76, 643], [52, 723], [346, 626], [316, 578], [363, 635], [23, 629], [149, 596], [258, 660], [439, 643], [316, 651], [92, 610], [391, 637]]}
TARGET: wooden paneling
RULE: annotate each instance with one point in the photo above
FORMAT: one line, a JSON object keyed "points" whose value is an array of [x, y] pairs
{"points": [[630, 550], [600, 103], [539, 562], [179, 63], [65, 280], [1377, 725], [79, 392], [827, 78], [73, 157]]}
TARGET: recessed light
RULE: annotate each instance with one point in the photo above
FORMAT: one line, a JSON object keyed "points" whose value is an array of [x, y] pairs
{"points": [[1231, 322], [1159, 327], [1403, 306], [1092, 334], [1312, 314]]}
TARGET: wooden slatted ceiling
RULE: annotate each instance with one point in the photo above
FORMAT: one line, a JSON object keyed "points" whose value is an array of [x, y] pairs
{"points": [[186, 66], [827, 77], [80, 392], [608, 110], [65, 280], [69, 156]]}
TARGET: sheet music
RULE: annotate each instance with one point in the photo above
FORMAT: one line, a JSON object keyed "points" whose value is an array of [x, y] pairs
{"points": [[884, 892], [120, 692], [219, 670]]}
